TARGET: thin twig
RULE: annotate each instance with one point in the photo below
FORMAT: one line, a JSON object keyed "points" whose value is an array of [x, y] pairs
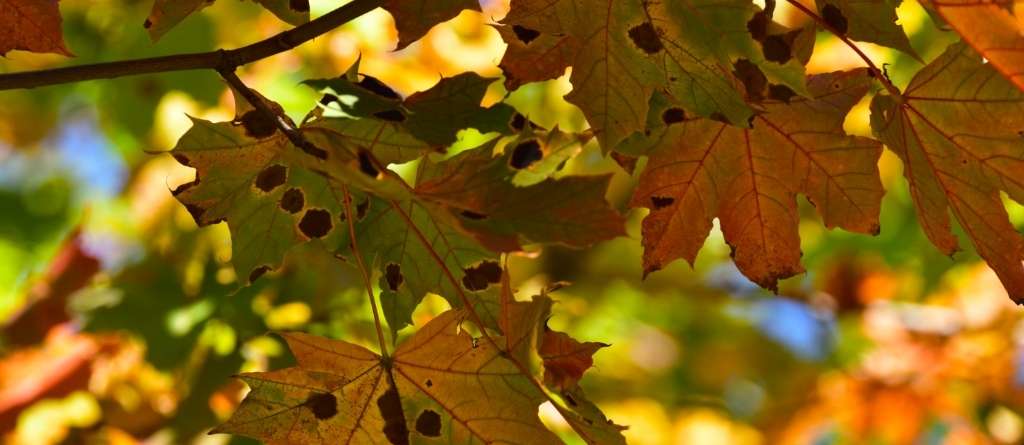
{"points": [[878, 74], [218, 60], [279, 119]]}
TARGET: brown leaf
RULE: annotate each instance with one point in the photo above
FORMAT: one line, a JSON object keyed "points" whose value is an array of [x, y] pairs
{"points": [[992, 29], [31, 25], [749, 179], [565, 359], [414, 18], [441, 383], [958, 130]]}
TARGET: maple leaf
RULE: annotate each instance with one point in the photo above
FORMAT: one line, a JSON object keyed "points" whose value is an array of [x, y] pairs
{"points": [[434, 115], [993, 29], [957, 129], [166, 14], [749, 179], [275, 195], [622, 51], [440, 384], [31, 25], [414, 18], [867, 20], [416, 245], [565, 359], [571, 210]]}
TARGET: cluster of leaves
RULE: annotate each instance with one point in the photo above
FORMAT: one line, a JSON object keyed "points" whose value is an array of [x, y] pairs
{"points": [[712, 95]]}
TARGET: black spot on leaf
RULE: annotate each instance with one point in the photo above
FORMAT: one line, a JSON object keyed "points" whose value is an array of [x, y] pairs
{"points": [[661, 202], [645, 37], [258, 125], [147, 24], [196, 212], [328, 99], [758, 25], [776, 49], [390, 406], [323, 405], [258, 272], [271, 177], [834, 18], [393, 276], [518, 122], [292, 201], [526, 153], [780, 92], [299, 5], [482, 275], [315, 223], [361, 209], [366, 164], [469, 214], [429, 423], [377, 87], [524, 34], [673, 116], [429, 383], [392, 115], [754, 81]]}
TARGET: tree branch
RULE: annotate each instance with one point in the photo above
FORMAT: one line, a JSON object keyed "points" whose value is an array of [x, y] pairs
{"points": [[221, 60], [895, 92]]}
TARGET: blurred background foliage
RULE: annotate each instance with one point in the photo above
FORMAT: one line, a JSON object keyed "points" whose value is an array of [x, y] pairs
{"points": [[123, 323]]}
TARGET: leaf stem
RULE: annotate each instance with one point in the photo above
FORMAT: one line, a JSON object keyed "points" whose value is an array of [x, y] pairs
{"points": [[347, 197], [280, 120], [475, 318], [220, 60], [878, 74], [295, 137]]}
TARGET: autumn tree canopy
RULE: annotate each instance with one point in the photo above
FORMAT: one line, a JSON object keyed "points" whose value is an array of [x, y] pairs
{"points": [[707, 118]]}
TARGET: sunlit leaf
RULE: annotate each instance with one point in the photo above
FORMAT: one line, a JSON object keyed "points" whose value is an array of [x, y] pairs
{"points": [[31, 25], [749, 178], [957, 129], [441, 384]]}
